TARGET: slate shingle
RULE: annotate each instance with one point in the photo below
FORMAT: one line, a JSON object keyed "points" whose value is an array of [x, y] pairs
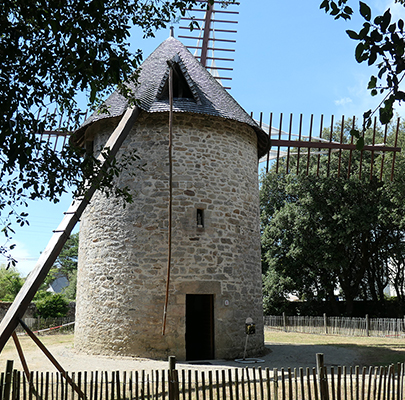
{"points": [[210, 97]]}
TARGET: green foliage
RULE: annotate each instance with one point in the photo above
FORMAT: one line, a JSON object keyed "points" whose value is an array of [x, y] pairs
{"points": [[381, 43], [328, 233], [50, 54], [66, 266], [70, 290], [276, 288], [51, 305], [10, 283]]}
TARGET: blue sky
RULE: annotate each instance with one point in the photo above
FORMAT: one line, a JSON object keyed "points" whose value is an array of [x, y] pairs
{"points": [[290, 58]]}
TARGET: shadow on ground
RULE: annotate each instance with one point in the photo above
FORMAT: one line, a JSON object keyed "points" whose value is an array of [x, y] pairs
{"points": [[304, 355], [293, 356], [278, 356]]}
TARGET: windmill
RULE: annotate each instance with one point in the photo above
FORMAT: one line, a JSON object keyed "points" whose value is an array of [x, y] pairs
{"points": [[196, 93], [192, 98]]}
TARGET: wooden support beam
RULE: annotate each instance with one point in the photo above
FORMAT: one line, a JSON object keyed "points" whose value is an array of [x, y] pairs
{"points": [[55, 245], [204, 50], [52, 359], [21, 355], [170, 205]]}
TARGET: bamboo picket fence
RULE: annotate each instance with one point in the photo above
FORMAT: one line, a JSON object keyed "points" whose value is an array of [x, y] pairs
{"points": [[379, 327], [321, 383]]}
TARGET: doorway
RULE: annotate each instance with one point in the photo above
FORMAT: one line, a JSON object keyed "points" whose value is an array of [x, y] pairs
{"points": [[199, 327]]}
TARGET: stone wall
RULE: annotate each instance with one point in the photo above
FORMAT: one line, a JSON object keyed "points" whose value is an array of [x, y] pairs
{"points": [[32, 309], [123, 251], [5, 305]]}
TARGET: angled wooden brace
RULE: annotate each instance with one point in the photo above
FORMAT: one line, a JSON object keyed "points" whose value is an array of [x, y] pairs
{"points": [[52, 250]]}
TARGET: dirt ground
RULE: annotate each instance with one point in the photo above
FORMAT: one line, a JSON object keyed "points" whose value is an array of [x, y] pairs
{"points": [[278, 355]]}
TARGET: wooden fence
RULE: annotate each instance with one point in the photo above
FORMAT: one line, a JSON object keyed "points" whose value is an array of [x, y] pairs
{"points": [[321, 383], [47, 325], [393, 327]]}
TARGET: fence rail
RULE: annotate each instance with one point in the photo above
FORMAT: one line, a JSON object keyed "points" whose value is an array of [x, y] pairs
{"points": [[321, 383], [382, 327], [42, 325]]}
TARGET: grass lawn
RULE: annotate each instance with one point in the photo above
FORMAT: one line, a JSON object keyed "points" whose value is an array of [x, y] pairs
{"points": [[373, 350], [10, 352]]}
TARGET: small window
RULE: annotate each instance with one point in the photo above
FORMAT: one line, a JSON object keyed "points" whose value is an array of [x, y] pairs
{"points": [[181, 88], [200, 218]]}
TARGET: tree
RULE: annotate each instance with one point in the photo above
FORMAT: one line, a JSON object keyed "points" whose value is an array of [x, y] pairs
{"points": [[337, 235], [50, 53], [10, 283], [323, 234], [52, 306], [66, 266], [381, 43]]}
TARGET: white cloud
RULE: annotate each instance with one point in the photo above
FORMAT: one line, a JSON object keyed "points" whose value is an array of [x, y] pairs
{"points": [[379, 6], [397, 9], [343, 101], [25, 260]]}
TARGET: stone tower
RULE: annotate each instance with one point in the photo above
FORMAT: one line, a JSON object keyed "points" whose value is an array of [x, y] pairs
{"points": [[215, 279]]}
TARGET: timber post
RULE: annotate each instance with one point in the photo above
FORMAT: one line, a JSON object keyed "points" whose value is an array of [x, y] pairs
{"points": [[367, 325], [8, 380], [173, 379], [322, 377], [284, 322]]}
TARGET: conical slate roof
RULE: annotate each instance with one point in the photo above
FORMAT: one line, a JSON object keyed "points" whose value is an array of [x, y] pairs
{"points": [[206, 95]]}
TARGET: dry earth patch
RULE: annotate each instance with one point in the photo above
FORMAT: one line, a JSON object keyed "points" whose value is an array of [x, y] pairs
{"points": [[283, 350]]}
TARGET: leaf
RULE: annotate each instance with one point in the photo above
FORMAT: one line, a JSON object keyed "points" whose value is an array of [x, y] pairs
{"points": [[364, 32], [382, 71], [386, 112], [392, 28], [373, 56], [352, 34], [400, 96], [355, 133], [372, 83], [348, 10], [335, 9], [325, 5], [365, 11], [359, 53], [367, 114], [376, 36], [360, 143], [401, 25], [386, 19]]}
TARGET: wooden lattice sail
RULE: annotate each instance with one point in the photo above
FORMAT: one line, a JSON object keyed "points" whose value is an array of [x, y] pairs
{"points": [[213, 41], [298, 145]]}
